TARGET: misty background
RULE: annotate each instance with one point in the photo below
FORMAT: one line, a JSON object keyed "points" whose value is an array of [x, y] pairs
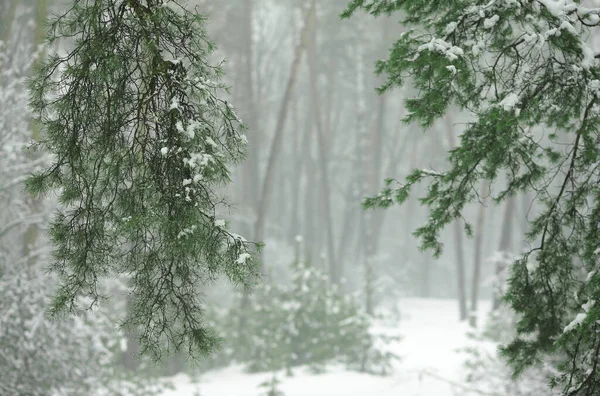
{"points": [[320, 140]]}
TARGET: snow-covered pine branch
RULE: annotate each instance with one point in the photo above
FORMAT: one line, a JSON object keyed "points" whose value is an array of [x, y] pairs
{"points": [[527, 74]]}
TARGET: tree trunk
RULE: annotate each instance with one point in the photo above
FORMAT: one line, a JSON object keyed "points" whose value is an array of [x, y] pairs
{"points": [[30, 236], [427, 265], [9, 11], [348, 228], [365, 174], [458, 240], [267, 187], [410, 214], [460, 271], [477, 259], [378, 133], [300, 152], [379, 129], [505, 248], [132, 351], [391, 169], [309, 191], [425, 275], [251, 170], [334, 272], [526, 203]]}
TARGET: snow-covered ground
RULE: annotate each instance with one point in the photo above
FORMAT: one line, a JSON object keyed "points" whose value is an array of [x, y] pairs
{"points": [[431, 364]]}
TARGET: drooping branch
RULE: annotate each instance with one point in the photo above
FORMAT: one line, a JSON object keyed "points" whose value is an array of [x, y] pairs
{"points": [[142, 142]]}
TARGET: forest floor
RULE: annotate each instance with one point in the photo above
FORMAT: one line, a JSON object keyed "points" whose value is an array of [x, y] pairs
{"points": [[431, 363]]}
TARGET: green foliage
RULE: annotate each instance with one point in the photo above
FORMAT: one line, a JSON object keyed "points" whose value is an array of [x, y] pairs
{"points": [[271, 387], [310, 323], [141, 144], [487, 370], [523, 72]]}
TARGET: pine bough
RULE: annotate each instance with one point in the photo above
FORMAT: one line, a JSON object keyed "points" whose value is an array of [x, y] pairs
{"points": [[141, 145], [526, 74]]}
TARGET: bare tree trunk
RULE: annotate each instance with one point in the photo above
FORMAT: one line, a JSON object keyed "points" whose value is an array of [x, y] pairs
{"points": [[378, 132], [348, 228], [411, 212], [391, 169], [458, 240], [9, 10], [7, 18], [428, 263], [279, 204], [365, 173], [296, 181], [526, 203], [477, 260], [505, 246], [41, 13], [373, 164], [379, 129], [309, 191], [132, 344], [460, 271], [31, 234], [334, 272], [426, 275], [251, 170], [267, 187]]}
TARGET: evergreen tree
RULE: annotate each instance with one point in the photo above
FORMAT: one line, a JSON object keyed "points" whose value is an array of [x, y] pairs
{"points": [[524, 71], [141, 144], [271, 387], [310, 322]]}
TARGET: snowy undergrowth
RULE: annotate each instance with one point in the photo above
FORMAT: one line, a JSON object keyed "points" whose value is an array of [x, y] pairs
{"points": [[432, 363], [307, 322], [488, 371]]}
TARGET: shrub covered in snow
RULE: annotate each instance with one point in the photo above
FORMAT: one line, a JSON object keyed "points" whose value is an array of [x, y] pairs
{"points": [[488, 371], [40, 355], [310, 323], [71, 355]]}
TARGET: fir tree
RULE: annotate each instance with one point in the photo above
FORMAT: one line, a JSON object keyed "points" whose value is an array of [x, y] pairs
{"points": [[141, 144], [524, 71]]}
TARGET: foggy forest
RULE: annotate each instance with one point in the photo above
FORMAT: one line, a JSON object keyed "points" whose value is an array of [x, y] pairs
{"points": [[299, 197]]}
